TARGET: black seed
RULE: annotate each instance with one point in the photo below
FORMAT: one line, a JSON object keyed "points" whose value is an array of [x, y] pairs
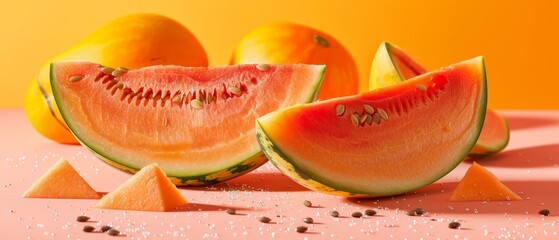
{"points": [[419, 211], [82, 218], [357, 214], [454, 225], [302, 229], [264, 219], [370, 212], [308, 220], [231, 211], [544, 212], [113, 232], [307, 203], [411, 213], [88, 228], [105, 228], [334, 214]]}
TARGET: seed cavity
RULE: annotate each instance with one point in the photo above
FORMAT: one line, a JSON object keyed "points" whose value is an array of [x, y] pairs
{"points": [[355, 119], [421, 87], [340, 110], [320, 40], [177, 98], [75, 78], [107, 70], [262, 67], [383, 114]]}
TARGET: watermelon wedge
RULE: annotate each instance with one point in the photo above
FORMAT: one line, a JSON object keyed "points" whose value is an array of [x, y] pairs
{"points": [[392, 65], [197, 123], [384, 142]]}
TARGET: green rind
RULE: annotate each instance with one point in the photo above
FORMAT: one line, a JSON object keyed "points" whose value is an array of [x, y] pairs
{"points": [[485, 150], [311, 180], [256, 160]]}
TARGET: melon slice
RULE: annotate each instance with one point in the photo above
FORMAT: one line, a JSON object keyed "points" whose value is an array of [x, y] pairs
{"points": [[392, 65], [61, 181], [148, 190], [197, 123], [384, 142], [478, 184]]}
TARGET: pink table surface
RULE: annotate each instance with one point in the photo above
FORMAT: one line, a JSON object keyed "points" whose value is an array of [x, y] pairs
{"points": [[529, 166]]}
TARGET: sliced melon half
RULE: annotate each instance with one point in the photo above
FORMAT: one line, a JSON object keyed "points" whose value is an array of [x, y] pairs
{"points": [[197, 123], [384, 142]]}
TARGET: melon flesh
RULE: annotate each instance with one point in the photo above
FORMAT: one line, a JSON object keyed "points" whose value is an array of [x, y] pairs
{"points": [[148, 190], [431, 123], [494, 135], [61, 181], [478, 184], [149, 115]]}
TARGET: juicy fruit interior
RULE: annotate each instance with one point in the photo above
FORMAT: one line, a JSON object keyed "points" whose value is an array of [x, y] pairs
{"points": [[427, 132], [192, 121]]}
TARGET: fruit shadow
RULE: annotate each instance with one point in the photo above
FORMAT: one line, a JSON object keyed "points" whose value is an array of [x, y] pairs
{"points": [[200, 207], [434, 200], [536, 156], [256, 181], [527, 122]]}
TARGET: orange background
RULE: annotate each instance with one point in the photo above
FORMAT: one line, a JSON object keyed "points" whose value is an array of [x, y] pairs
{"points": [[518, 38]]}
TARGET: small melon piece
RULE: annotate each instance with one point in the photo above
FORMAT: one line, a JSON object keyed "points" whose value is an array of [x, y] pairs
{"points": [[148, 190], [494, 135], [479, 184], [61, 181]]}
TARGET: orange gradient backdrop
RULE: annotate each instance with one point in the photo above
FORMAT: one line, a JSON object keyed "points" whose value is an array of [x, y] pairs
{"points": [[519, 39]]}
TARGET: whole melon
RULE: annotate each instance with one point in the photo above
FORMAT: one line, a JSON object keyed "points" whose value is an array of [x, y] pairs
{"points": [[288, 43]]}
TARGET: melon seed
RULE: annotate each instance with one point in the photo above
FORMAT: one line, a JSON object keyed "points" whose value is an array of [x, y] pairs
{"points": [[105, 228], [75, 78], [419, 211], [123, 69], [117, 73], [82, 219], [421, 87], [88, 228], [370, 212], [368, 119], [262, 67], [368, 108], [307, 203], [454, 225], [231, 211], [107, 70], [302, 229], [355, 119], [308, 220], [235, 90], [340, 109], [334, 214], [376, 118], [113, 232], [320, 40], [177, 98], [264, 219], [195, 103], [363, 118], [383, 114], [544, 212], [357, 214]]}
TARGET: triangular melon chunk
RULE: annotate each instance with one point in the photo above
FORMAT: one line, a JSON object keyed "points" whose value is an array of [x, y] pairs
{"points": [[148, 190], [478, 184], [61, 181]]}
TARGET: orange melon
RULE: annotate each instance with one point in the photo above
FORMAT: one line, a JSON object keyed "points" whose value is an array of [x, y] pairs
{"points": [[479, 184], [61, 181], [148, 190]]}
